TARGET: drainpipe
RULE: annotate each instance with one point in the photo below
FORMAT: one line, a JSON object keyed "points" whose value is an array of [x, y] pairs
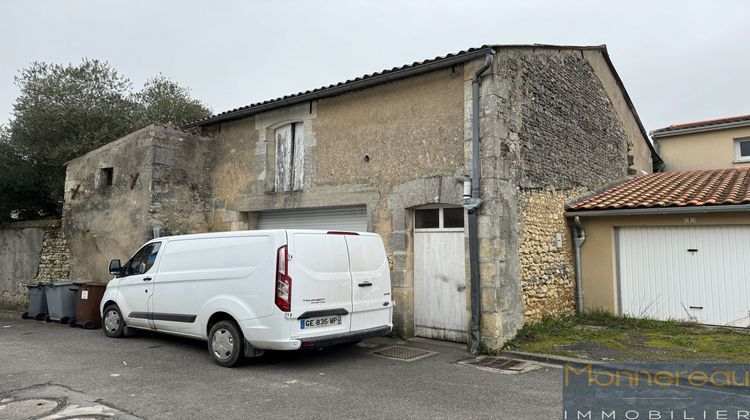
{"points": [[472, 204], [579, 237]]}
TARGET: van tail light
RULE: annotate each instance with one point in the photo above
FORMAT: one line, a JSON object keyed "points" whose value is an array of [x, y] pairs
{"points": [[283, 281]]}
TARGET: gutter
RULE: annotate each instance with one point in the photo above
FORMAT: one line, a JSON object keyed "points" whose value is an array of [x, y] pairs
{"points": [[579, 237], [346, 87], [730, 208], [690, 130], [472, 204]]}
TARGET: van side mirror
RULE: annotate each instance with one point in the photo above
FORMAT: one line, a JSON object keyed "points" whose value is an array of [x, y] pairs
{"points": [[114, 267]]}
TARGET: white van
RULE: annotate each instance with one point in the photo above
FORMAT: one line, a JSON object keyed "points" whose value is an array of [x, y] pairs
{"points": [[249, 291]]}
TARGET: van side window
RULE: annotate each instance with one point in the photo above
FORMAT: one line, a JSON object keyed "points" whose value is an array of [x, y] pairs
{"points": [[143, 260]]}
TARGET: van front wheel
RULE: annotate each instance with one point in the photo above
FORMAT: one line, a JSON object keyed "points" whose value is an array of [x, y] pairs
{"points": [[112, 322], [225, 343]]}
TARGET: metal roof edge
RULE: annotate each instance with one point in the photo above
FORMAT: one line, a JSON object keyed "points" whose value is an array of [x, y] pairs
{"points": [[727, 208], [363, 82], [345, 87]]}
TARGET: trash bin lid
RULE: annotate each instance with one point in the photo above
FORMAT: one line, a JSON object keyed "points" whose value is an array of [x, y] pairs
{"points": [[62, 283]]}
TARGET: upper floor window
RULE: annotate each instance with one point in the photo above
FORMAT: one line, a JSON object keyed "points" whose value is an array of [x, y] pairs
{"points": [[289, 157], [742, 149]]}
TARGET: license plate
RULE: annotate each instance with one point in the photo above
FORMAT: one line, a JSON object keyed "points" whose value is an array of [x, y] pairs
{"points": [[321, 321]]}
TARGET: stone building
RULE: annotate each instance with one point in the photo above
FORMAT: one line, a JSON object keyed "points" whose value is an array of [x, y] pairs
{"points": [[153, 181], [389, 152]]}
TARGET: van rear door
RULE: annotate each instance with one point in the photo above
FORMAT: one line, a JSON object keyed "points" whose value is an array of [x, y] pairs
{"points": [[321, 291], [371, 282]]}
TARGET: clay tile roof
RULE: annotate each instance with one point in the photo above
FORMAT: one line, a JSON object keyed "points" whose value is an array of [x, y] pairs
{"points": [[699, 124], [719, 187]]}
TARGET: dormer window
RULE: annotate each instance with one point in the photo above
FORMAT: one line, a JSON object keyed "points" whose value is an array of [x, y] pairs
{"points": [[289, 157]]}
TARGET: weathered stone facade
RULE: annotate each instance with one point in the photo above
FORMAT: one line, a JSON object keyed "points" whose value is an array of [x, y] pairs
{"points": [[569, 134], [546, 253], [159, 182], [54, 263], [554, 122], [567, 137]]}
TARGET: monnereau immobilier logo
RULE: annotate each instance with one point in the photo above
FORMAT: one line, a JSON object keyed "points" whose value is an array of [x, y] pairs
{"points": [[668, 391]]}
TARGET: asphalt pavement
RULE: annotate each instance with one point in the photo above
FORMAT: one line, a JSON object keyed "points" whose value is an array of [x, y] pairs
{"points": [[155, 376]]}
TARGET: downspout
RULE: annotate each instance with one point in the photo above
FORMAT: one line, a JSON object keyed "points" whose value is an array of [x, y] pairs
{"points": [[471, 204], [579, 237]]}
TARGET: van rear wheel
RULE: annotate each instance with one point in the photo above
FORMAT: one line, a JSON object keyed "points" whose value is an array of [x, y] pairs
{"points": [[225, 343]]}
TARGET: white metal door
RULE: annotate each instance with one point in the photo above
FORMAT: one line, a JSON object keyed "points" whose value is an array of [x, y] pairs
{"points": [[698, 273], [352, 218], [440, 283]]}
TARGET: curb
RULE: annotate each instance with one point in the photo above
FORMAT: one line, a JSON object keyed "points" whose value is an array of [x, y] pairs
{"points": [[552, 359]]}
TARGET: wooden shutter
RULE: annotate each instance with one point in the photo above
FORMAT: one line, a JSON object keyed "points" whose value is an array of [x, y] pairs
{"points": [[298, 157], [283, 158]]}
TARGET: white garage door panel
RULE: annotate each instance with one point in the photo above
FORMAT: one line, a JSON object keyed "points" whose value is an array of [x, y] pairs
{"points": [[660, 278], [330, 218]]}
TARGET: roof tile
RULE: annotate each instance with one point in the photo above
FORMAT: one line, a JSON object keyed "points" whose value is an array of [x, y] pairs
{"points": [[705, 123], [674, 189]]}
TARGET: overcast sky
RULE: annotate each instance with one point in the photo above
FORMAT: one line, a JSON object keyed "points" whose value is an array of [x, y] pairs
{"points": [[680, 60]]}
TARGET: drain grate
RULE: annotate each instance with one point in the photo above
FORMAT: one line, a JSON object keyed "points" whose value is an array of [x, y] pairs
{"points": [[497, 363], [405, 354]]}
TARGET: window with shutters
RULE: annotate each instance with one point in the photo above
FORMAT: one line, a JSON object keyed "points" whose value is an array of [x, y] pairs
{"points": [[289, 157]]}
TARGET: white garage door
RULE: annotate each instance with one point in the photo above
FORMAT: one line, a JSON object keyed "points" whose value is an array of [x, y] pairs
{"points": [[699, 273], [353, 218]]}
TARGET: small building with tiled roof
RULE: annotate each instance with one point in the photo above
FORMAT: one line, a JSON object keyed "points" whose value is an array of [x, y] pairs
{"points": [[709, 144], [669, 245]]}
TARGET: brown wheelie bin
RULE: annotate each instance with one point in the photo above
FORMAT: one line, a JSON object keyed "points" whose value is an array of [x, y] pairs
{"points": [[87, 306]]}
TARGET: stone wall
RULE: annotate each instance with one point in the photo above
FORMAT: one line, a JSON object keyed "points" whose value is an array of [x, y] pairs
{"points": [[547, 124], [54, 263], [181, 194], [29, 252], [563, 130], [570, 134], [159, 182], [546, 253]]}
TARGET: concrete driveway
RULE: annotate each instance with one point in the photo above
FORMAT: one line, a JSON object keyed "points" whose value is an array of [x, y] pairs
{"points": [[156, 376]]}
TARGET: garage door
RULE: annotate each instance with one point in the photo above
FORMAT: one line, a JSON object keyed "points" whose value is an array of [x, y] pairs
{"points": [[352, 218], [699, 273]]}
